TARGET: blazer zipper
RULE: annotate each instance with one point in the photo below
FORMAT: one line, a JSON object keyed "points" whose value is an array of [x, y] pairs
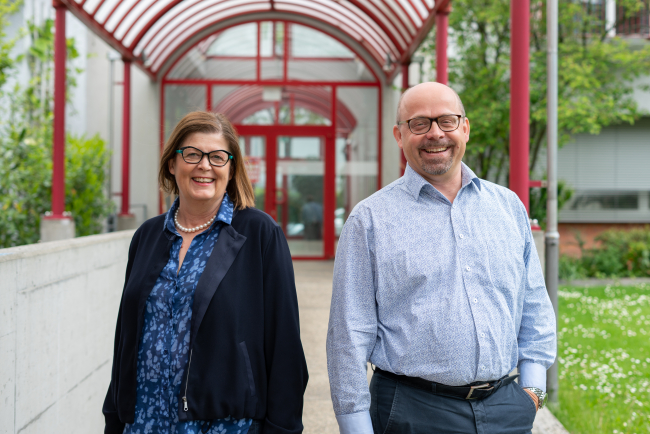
{"points": [[187, 380]]}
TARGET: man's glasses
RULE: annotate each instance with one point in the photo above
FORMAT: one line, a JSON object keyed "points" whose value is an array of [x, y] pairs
{"points": [[194, 156], [422, 125]]}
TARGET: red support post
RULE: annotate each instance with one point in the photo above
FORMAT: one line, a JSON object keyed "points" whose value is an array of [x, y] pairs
{"points": [[442, 26], [270, 195], [519, 98], [405, 86], [329, 196], [58, 151], [126, 137], [329, 183]]}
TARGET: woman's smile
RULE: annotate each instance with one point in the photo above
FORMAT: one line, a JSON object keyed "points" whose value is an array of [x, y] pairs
{"points": [[203, 181]]}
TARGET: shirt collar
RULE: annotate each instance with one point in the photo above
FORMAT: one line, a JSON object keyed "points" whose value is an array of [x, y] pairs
{"points": [[224, 215], [415, 182]]}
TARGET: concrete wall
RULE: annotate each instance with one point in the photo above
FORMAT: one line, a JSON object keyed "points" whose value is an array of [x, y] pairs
{"points": [[58, 309]]}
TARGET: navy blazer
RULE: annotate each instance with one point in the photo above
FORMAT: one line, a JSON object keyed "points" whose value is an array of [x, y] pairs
{"points": [[246, 357]]}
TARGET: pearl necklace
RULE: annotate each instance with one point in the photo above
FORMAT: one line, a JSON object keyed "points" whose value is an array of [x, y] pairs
{"points": [[198, 228]]}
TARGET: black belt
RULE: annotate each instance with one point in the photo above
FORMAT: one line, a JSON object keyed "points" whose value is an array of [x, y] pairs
{"points": [[476, 390]]}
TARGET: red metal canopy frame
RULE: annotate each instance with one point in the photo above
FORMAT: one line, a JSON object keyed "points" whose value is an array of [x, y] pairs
{"points": [[149, 32]]}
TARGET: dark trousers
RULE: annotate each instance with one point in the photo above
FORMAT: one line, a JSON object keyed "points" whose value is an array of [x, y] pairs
{"points": [[396, 407]]}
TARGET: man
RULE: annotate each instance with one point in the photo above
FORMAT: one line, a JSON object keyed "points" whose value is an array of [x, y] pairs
{"points": [[312, 219], [438, 284]]}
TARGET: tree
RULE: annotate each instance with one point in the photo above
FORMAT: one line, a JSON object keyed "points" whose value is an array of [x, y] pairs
{"points": [[596, 75]]}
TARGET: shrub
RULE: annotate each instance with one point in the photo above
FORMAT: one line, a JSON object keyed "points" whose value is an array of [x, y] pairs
{"points": [[620, 253], [85, 178], [26, 187], [26, 150], [570, 268]]}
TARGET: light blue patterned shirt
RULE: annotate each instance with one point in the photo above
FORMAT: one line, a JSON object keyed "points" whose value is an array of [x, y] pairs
{"points": [[452, 293], [164, 345]]}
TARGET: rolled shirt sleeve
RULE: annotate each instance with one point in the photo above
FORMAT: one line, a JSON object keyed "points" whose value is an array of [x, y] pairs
{"points": [[537, 333]]}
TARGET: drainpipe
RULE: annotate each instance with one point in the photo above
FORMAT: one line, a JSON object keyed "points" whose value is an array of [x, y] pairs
{"points": [[552, 235]]}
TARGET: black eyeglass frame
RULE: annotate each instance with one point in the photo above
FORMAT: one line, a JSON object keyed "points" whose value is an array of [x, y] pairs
{"points": [[180, 151], [431, 120]]}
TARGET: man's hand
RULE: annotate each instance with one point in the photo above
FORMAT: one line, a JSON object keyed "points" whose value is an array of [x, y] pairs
{"points": [[534, 398]]}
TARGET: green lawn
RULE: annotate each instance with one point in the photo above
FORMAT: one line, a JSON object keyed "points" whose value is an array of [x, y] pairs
{"points": [[604, 355]]}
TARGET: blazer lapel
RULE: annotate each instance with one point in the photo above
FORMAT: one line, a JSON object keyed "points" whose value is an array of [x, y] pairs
{"points": [[223, 255], [150, 270]]}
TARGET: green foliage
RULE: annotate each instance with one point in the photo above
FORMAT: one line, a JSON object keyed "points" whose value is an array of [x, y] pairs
{"points": [[7, 8], [26, 152], [620, 253], [26, 171], [26, 174], [604, 359], [538, 197], [595, 75], [85, 177], [570, 268]]}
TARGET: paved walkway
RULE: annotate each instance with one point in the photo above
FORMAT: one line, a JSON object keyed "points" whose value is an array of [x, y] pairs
{"points": [[314, 283]]}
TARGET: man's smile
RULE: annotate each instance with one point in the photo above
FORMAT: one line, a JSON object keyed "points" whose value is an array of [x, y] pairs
{"points": [[436, 150]]}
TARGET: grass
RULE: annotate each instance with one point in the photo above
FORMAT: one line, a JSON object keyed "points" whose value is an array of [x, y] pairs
{"points": [[604, 355]]}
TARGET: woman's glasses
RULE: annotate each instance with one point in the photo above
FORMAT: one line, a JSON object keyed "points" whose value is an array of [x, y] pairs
{"points": [[192, 155]]}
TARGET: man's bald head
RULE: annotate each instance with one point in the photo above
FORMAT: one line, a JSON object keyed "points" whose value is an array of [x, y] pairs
{"points": [[428, 86]]}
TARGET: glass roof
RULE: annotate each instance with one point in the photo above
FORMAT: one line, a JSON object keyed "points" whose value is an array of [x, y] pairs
{"points": [[150, 32], [232, 55]]}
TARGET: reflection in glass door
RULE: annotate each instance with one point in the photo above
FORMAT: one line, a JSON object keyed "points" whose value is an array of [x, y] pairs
{"points": [[299, 178], [253, 149]]}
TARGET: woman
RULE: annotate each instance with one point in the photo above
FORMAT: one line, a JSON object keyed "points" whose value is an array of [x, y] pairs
{"points": [[207, 337]]}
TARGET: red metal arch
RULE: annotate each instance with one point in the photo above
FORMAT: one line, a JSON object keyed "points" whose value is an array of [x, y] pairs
{"points": [[385, 28], [247, 100], [366, 64], [165, 47]]}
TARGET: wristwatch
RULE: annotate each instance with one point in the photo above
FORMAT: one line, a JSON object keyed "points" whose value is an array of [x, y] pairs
{"points": [[542, 396]]}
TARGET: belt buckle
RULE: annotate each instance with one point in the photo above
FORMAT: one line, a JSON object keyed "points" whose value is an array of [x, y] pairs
{"points": [[472, 388]]}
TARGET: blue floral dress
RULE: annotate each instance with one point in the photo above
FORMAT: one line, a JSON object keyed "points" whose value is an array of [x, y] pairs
{"points": [[164, 346]]}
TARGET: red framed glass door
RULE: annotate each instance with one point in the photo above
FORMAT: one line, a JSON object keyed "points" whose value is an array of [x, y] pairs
{"points": [[292, 171]]}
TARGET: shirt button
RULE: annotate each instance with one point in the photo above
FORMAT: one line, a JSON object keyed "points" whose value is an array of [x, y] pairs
{"points": [[165, 352], [482, 367], [467, 268], [461, 236], [482, 335], [475, 300]]}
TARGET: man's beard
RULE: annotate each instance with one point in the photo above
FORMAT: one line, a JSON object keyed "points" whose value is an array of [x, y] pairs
{"points": [[441, 165]]}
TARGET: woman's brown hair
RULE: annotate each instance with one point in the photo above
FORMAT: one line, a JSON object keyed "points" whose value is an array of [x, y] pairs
{"points": [[239, 188]]}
